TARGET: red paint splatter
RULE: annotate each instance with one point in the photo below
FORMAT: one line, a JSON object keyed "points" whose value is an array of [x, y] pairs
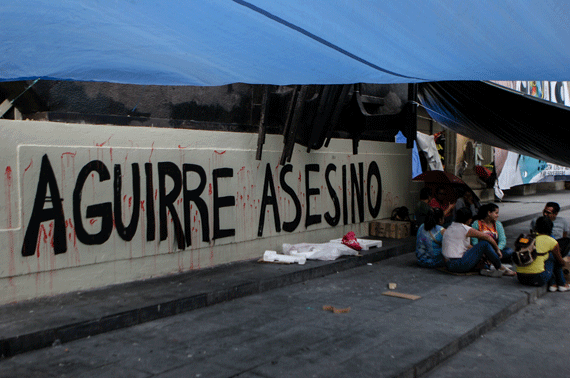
{"points": [[45, 239], [29, 165], [210, 189], [151, 152], [92, 221], [220, 153], [51, 242], [105, 142], [8, 175]]}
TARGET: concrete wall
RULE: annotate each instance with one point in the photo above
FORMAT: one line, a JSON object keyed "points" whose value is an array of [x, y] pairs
{"points": [[87, 206]]}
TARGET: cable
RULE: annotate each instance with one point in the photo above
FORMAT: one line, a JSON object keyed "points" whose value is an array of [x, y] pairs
{"points": [[25, 90]]}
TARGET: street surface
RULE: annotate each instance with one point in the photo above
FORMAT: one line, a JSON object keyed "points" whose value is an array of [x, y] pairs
{"points": [[287, 333], [533, 343]]}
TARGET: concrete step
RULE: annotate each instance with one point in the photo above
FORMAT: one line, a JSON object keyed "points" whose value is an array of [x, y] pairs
{"points": [[40, 323]]}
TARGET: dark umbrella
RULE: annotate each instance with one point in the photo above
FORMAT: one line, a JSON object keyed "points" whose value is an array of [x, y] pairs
{"points": [[435, 179]]}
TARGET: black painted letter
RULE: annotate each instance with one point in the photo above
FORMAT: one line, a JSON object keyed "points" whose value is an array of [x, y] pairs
{"points": [[344, 197], [268, 200], [167, 201], [357, 190], [373, 170], [220, 202], [194, 196], [315, 218], [332, 221], [102, 210], [127, 233], [150, 220], [39, 214], [290, 226]]}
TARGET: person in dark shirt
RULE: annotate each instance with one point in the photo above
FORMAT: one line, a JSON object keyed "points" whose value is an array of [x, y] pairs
{"points": [[423, 207], [440, 202]]}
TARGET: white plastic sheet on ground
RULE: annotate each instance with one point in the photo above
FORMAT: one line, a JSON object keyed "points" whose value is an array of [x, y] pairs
{"points": [[319, 251]]}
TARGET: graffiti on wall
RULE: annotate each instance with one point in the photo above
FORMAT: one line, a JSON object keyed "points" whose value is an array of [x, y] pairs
{"points": [[85, 206], [192, 203]]}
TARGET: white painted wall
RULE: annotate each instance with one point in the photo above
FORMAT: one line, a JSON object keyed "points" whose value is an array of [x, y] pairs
{"points": [[71, 149]]}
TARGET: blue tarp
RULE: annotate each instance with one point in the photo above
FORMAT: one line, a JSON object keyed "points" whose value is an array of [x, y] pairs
{"points": [[282, 42], [416, 163]]}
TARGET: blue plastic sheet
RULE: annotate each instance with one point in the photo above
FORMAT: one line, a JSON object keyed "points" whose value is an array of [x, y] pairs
{"points": [[416, 164], [282, 42]]}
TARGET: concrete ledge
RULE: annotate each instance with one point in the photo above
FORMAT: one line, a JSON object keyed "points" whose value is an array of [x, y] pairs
{"points": [[540, 187]]}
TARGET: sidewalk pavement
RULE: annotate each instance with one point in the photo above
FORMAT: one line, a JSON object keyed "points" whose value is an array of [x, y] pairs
{"points": [[453, 310]]}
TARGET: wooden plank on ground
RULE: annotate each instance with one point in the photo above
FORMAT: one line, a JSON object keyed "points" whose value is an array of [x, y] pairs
{"points": [[401, 295]]}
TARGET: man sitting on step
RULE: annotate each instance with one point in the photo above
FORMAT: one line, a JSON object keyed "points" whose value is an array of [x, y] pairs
{"points": [[560, 226]]}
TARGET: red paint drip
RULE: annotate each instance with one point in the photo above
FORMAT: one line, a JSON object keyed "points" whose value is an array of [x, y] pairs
{"points": [[45, 239], [8, 175], [105, 142], [220, 153], [29, 165], [8, 185], [151, 151]]}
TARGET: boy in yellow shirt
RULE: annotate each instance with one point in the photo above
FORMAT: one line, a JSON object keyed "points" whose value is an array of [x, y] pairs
{"points": [[547, 267]]}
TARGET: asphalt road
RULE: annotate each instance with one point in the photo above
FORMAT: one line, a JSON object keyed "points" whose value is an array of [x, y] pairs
{"points": [[535, 342]]}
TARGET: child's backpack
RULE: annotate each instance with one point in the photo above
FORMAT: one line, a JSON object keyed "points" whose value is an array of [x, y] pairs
{"points": [[525, 250]]}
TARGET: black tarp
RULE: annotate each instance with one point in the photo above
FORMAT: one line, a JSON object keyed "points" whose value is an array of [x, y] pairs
{"points": [[501, 117]]}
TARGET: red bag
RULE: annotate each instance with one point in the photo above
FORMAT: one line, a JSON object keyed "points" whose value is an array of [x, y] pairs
{"points": [[350, 240], [482, 172]]}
